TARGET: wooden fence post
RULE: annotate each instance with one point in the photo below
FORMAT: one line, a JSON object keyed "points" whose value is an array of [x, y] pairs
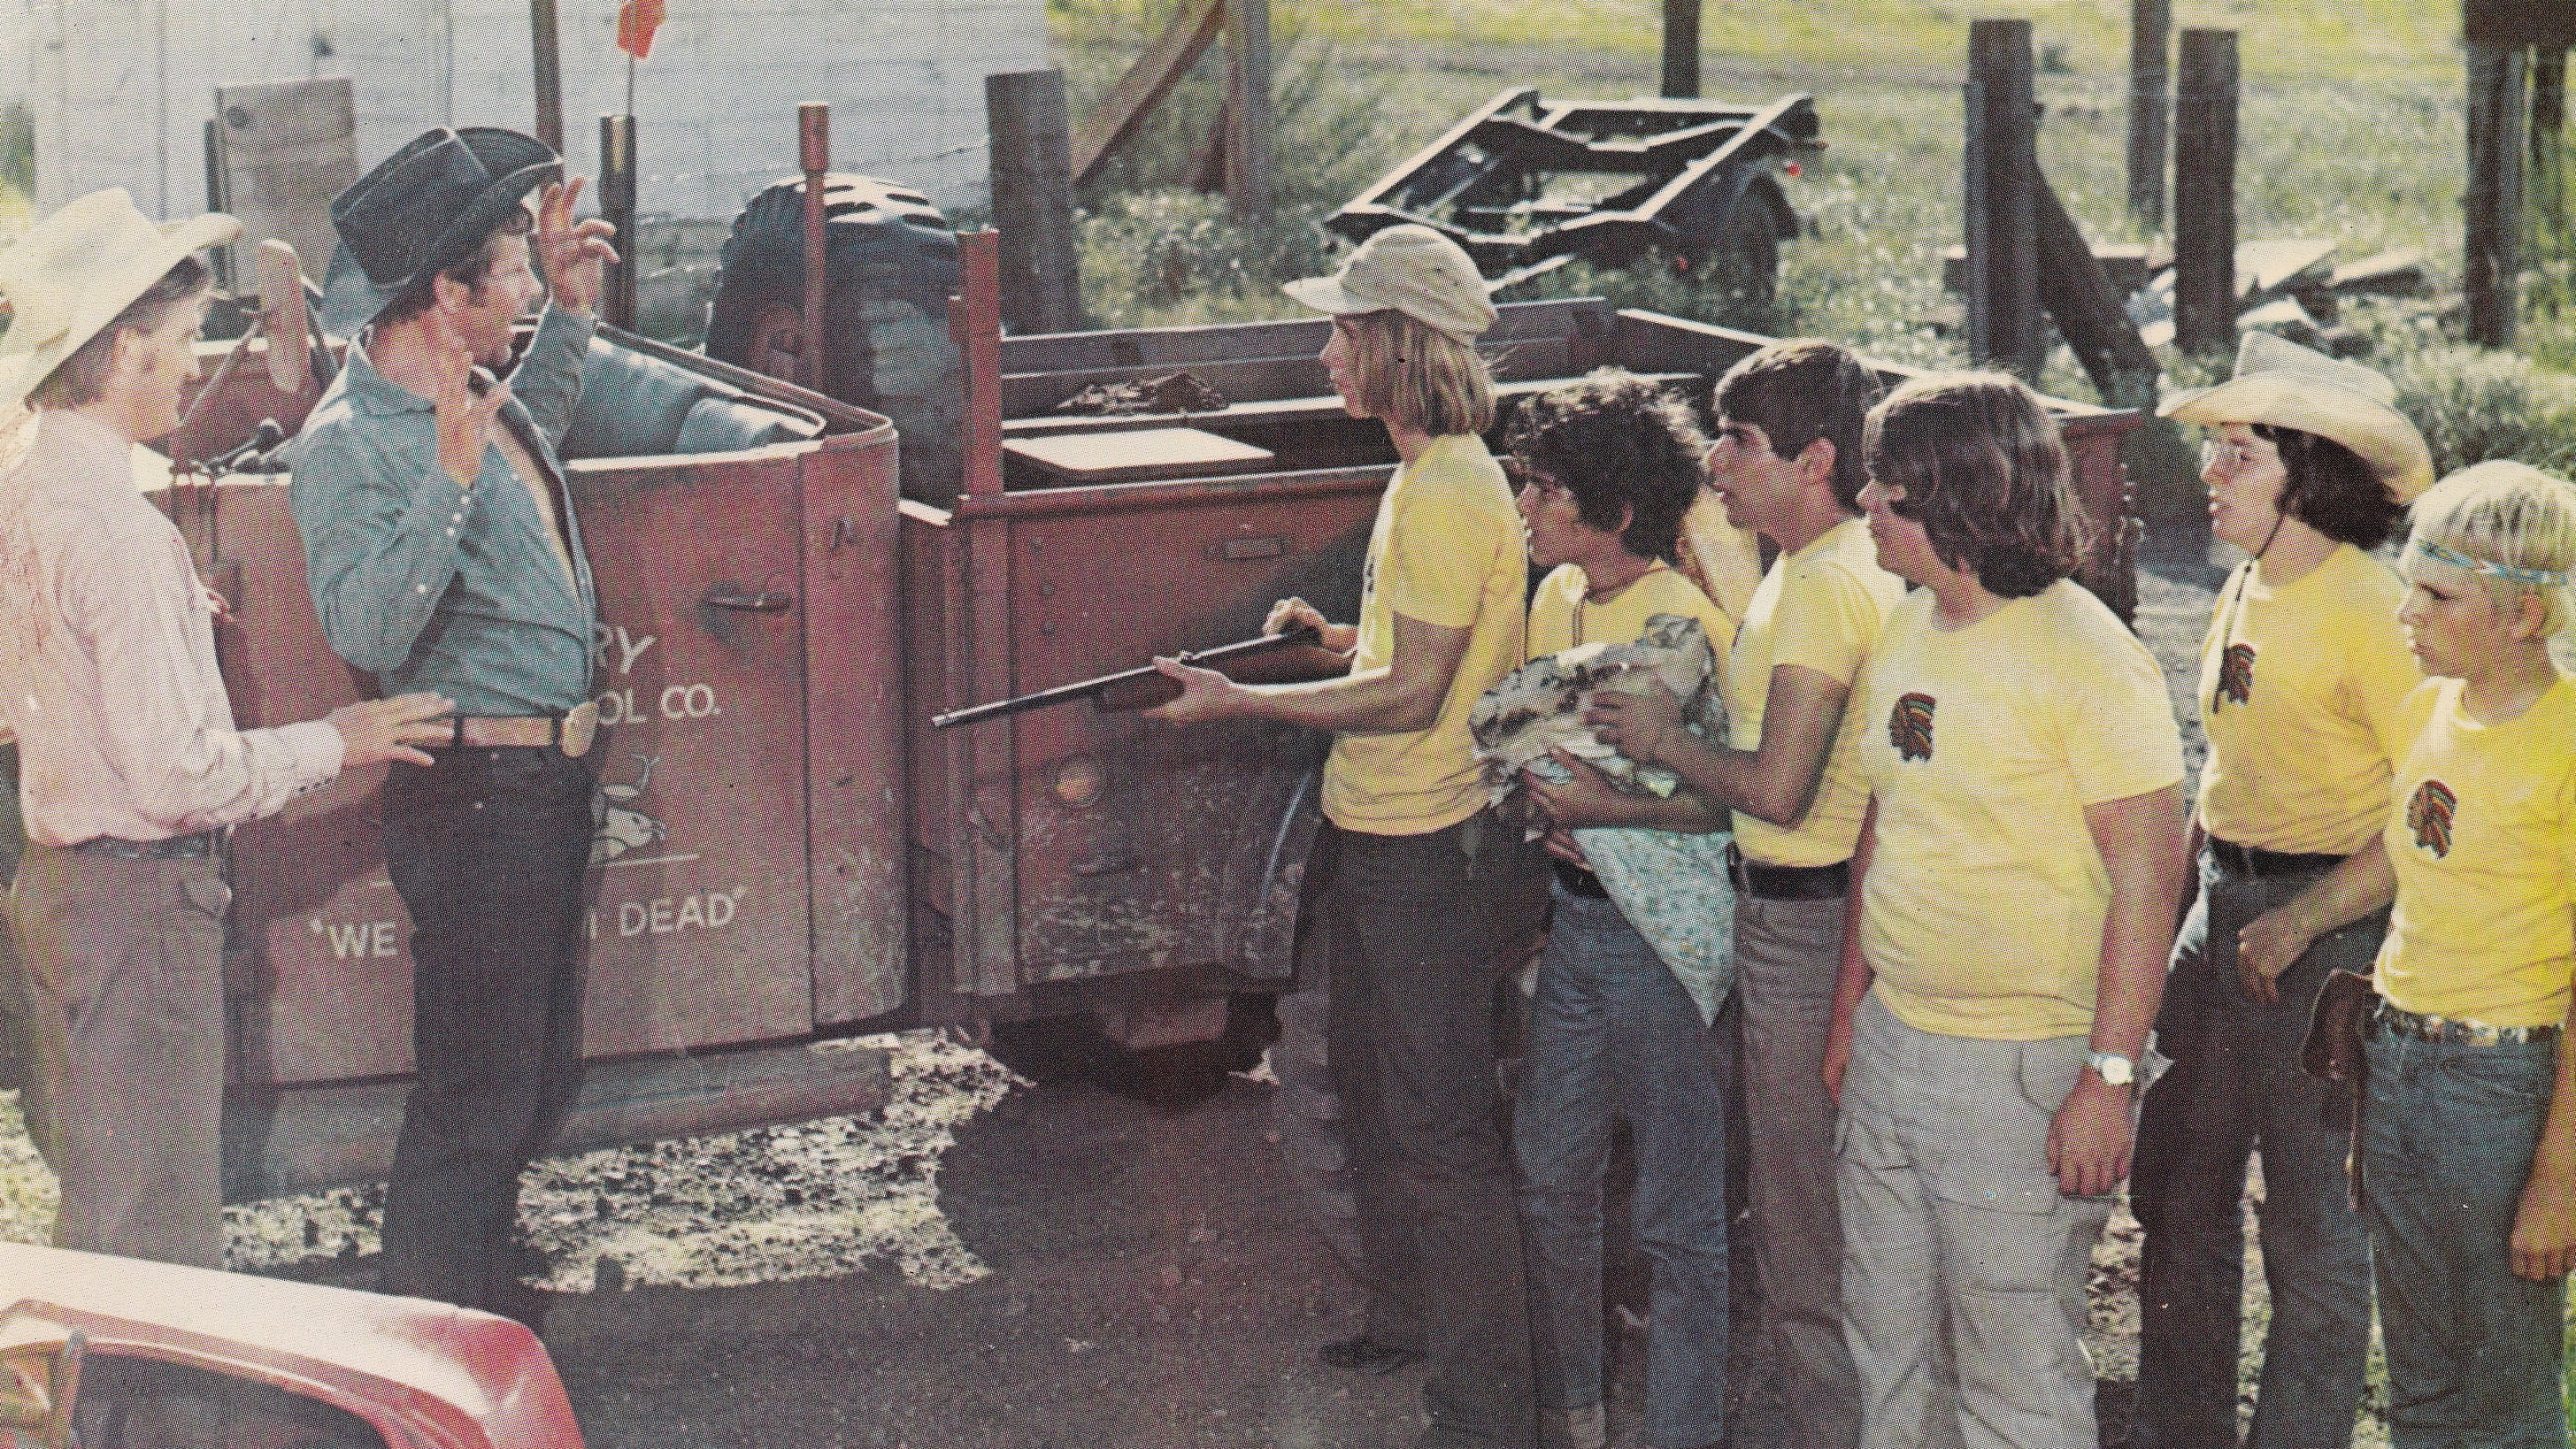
{"points": [[2002, 167], [617, 195], [2492, 223], [1247, 107], [1026, 116], [2205, 193], [2150, 78], [1681, 49], [545, 44], [2548, 186]]}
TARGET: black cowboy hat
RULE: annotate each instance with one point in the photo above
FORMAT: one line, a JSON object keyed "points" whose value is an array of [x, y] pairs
{"points": [[423, 209]]}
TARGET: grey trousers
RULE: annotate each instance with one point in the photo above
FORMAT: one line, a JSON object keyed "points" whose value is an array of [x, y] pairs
{"points": [[1786, 953], [1951, 1217], [124, 968]]}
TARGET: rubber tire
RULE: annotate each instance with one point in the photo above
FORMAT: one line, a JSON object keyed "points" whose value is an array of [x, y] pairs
{"points": [[1742, 260], [892, 262], [1306, 1119]]}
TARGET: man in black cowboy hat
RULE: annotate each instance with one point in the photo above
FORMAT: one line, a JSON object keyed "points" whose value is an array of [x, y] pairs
{"points": [[444, 554]]}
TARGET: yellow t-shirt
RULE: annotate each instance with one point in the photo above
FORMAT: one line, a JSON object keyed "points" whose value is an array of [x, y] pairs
{"points": [[2483, 837], [1446, 550], [1560, 618], [1821, 608], [1983, 907], [2300, 700]]}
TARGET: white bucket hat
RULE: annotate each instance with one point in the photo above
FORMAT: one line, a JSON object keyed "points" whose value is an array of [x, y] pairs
{"points": [[2285, 385], [1409, 269], [76, 270]]}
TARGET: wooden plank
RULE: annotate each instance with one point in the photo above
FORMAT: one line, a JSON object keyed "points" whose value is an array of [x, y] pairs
{"points": [[545, 45], [1248, 123], [1139, 454], [2080, 295], [2001, 168], [2491, 253], [2150, 104], [2205, 193], [1164, 62], [1033, 200], [286, 148]]}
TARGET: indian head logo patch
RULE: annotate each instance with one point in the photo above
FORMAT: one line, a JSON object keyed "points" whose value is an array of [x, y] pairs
{"points": [[2235, 676], [1909, 726], [2428, 814]]}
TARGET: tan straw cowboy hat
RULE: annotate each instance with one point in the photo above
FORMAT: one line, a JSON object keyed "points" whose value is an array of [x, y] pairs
{"points": [[69, 277], [2288, 386]]}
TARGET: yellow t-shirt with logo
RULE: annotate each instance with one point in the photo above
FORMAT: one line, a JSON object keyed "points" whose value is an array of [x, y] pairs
{"points": [[1821, 608], [2300, 699], [1560, 617], [1446, 550], [2483, 838], [1982, 911]]}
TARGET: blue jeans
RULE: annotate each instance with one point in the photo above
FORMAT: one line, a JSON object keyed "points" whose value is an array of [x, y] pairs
{"points": [[2473, 1351], [1612, 1032], [2236, 1088]]}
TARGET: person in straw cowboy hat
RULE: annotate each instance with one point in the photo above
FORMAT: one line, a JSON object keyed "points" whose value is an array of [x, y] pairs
{"points": [[2309, 465], [1428, 895], [443, 551], [131, 766]]}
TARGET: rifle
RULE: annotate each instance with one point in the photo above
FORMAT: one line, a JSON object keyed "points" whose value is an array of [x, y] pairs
{"points": [[1131, 689]]}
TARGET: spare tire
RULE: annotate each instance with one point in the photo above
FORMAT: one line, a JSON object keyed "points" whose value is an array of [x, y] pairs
{"points": [[891, 268]]}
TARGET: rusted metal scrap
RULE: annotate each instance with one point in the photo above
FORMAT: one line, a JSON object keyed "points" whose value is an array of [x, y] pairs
{"points": [[1173, 392]]}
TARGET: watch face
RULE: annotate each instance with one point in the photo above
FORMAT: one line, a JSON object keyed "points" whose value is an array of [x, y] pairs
{"points": [[2117, 1071]]}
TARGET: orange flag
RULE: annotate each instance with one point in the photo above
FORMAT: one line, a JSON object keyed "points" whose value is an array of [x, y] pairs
{"points": [[636, 22]]}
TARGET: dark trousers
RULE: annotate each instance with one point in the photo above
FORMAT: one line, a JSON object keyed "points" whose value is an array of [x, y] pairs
{"points": [[488, 849], [1418, 930], [2236, 1089]]}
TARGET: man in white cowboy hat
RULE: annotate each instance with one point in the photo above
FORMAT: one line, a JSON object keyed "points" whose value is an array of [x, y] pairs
{"points": [[131, 767], [1427, 895], [443, 552], [2310, 466]]}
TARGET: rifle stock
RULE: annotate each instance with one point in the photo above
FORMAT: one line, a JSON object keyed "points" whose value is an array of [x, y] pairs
{"points": [[1293, 654]]}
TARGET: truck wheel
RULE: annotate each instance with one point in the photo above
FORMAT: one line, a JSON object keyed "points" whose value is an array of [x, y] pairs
{"points": [[1742, 259], [893, 265], [1063, 1049], [1306, 1117]]}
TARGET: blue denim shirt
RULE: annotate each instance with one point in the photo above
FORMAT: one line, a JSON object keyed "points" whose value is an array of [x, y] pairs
{"points": [[431, 587]]}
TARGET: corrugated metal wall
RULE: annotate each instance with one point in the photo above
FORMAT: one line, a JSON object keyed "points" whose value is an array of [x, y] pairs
{"points": [[120, 89]]}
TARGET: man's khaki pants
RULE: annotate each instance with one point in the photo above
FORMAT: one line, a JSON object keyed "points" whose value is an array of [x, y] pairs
{"points": [[124, 987]]}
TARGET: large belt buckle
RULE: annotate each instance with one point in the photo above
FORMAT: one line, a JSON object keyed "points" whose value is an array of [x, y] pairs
{"points": [[580, 727]]}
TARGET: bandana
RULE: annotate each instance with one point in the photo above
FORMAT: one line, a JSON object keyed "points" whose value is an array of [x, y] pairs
{"points": [[2538, 578]]}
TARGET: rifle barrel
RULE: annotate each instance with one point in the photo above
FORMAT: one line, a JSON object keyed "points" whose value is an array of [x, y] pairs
{"points": [[1094, 688]]}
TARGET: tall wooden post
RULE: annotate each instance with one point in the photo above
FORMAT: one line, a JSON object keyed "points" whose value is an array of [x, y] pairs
{"points": [[617, 203], [2548, 185], [2002, 167], [1248, 139], [545, 44], [2150, 76], [1026, 116], [1681, 48], [814, 157], [2492, 224], [2205, 193]]}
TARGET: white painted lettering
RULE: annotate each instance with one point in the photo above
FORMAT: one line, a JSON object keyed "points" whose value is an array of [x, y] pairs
{"points": [[689, 701], [679, 915]]}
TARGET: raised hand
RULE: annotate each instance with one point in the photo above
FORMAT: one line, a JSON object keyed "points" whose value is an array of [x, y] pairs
{"points": [[574, 256], [464, 417], [375, 730]]}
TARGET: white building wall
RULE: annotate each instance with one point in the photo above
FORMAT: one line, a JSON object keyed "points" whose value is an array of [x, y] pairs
{"points": [[120, 89]]}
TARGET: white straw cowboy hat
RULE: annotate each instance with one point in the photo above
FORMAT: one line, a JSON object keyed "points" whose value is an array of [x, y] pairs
{"points": [[2288, 386], [68, 278], [1409, 269]]}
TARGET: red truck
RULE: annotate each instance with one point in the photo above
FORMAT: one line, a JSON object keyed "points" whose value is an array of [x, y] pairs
{"points": [[786, 850]]}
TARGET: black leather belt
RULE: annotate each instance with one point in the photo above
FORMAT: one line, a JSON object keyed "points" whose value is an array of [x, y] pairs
{"points": [[2250, 860], [200, 846], [1787, 882], [1578, 881]]}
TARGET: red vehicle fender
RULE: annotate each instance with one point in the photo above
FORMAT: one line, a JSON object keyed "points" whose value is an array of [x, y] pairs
{"points": [[424, 1375]]}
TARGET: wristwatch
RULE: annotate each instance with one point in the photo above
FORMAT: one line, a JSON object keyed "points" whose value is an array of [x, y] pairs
{"points": [[2114, 1070]]}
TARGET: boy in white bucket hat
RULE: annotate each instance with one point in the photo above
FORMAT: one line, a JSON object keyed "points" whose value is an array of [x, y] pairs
{"points": [[131, 767], [2310, 466], [1428, 896]]}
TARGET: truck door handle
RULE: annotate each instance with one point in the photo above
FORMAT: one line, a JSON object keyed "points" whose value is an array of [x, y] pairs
{"points": [[766, 601]]}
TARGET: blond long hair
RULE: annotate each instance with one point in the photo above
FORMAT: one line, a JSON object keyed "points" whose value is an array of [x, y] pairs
{"points": [[1415, 376]]}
